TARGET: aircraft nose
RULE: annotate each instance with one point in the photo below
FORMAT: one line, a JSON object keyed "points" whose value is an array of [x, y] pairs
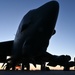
{"points": [[49, 8], [52, 6]]}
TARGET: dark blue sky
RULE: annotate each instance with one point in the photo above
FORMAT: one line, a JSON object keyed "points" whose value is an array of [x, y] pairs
{"points": [[12, 11]]}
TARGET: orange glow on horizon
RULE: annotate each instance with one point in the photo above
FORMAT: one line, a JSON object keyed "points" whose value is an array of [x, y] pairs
{"points": [[56, 68], [33, 68], [18, 67], [38, 67]]}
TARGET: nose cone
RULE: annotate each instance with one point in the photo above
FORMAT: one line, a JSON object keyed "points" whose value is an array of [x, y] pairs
{"points": [[49, 10], [49, 13], [53, 4], [49, 6]]}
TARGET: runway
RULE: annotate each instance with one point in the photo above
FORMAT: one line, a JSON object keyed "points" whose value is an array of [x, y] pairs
{"points": [[37, 72]]}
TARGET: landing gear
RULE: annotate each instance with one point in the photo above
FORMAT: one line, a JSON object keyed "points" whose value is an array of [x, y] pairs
{"points": [[8, 66], [68, 65], [26, 66], [66, 68], [43, 67]]}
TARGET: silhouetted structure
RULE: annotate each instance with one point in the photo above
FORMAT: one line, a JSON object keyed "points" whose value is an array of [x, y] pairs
{"points": [[32, 39], [33, 35]]}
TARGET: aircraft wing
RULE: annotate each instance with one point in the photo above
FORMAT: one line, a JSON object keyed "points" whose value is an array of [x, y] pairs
{"points": [[5, 49]]}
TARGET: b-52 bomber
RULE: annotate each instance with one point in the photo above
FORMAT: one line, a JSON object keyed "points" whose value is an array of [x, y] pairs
{"points": [[32, 39]]}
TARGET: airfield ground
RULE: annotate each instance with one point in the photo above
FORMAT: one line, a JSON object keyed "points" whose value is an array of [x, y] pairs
{"points": [[37, 72]]}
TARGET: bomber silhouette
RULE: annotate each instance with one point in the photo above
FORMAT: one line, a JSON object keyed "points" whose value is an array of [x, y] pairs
{"points": [[32, 39]]}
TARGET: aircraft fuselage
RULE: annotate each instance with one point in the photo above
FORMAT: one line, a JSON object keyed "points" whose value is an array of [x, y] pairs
{"points": [[35, 30]]}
